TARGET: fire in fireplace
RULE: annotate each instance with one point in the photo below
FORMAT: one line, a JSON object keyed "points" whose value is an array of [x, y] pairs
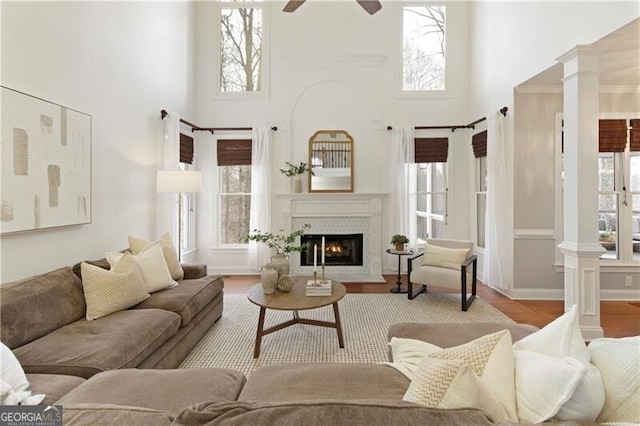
{"points": [[339, 249]]}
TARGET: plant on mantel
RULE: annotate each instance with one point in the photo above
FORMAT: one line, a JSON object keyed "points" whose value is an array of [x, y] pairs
{"points": [[279, 242], [292, 170]]}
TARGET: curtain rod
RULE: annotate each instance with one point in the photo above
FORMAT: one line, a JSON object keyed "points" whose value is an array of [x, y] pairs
{"points": [[194, 128], [471, 125]]}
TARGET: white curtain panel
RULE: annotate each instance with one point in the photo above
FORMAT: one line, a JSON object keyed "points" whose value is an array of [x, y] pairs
{"points": [[260, 216], [498, 252], [403, 183], [167, 203]]}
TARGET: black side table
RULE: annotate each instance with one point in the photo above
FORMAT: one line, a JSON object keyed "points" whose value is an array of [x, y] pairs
{"points": [[399, 289]]}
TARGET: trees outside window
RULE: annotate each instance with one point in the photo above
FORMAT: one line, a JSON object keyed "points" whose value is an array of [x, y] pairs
{"points": [[241, 47], [235, 203], [424, 48]]}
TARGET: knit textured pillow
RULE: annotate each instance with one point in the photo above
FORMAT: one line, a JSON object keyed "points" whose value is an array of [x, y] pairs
{"points": [[152, 266], [109, 291]]}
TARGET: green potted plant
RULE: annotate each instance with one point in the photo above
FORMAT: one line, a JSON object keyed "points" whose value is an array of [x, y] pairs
{"points": [[399, 240], [295, 172], [282, 244]]}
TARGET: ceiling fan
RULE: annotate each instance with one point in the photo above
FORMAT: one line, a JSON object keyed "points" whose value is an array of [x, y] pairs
{"points": [[371, 6]]}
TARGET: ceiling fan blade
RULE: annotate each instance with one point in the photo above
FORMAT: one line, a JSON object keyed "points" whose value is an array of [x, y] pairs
{"points": [[371, 6], [292, 5]]}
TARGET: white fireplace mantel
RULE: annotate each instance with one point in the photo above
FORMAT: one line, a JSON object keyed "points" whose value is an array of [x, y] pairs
{"points": [[335, 212]]}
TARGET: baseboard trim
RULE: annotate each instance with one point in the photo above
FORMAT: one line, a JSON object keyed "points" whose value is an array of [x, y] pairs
{"points": [[558, 294]]}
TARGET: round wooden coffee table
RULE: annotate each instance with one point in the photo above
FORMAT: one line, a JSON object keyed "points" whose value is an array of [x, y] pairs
{"points": [[295, 300]]}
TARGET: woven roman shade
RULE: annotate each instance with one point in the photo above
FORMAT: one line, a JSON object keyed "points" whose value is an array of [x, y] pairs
{"points": [[186, 149], [234, 152], [634, 134], [612, 135], [431, 150], [479, 143]]}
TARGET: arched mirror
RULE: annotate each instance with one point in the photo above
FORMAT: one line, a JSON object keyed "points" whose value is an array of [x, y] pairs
{"points": [[331, 160]]}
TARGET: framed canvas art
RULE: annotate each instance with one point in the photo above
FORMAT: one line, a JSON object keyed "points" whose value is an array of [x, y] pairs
{"points": [[46, 164]]}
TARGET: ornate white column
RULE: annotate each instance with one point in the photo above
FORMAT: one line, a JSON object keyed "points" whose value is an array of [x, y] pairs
{"points": [[580, 247]]}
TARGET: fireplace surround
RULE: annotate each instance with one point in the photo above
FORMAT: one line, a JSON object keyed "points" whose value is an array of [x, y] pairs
{"points": [[337, 214]]}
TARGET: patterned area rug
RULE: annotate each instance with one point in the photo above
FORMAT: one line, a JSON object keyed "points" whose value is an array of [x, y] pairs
{"points": [[365, 320]]}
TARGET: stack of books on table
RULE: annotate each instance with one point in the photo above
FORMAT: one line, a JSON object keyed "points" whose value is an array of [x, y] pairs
{"points": [[318, 288]]}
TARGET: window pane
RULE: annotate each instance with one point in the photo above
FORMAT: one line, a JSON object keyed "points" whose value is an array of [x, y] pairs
{"points": [[240, 49], [482, 209], [482, 174], [422, 202], [423, 45], [437, 228], [235, 179], [423, 171], [606, 173], [423, 228], [634, 167], [234, 218], [608, 224], [438, 204], [438, 178]]}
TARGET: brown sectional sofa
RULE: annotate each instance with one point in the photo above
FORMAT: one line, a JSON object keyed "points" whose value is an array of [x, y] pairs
{"points": [[42, 319], [117, 369]]}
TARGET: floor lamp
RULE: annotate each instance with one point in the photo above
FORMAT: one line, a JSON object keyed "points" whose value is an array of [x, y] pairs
{"points": [[179, 182]]}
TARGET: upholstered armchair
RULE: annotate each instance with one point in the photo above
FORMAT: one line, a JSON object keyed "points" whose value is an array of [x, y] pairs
{"points": [[445, 263]]}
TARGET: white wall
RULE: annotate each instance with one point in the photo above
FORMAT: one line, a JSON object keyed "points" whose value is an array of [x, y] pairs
{"points": [[121, 63], [513, 41], [330, 66]]}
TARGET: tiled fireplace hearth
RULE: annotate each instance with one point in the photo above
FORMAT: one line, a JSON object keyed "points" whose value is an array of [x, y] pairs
{"points": [[338, 214]]}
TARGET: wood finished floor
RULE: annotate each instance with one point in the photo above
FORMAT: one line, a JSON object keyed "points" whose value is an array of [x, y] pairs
{"points": [[618, 319]]}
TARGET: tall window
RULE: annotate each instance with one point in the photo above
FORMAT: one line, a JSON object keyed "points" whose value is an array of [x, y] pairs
{"points": [[479, 143], [241, 46], [188, 202], [423, 48], [431, 187], [234, 168]]}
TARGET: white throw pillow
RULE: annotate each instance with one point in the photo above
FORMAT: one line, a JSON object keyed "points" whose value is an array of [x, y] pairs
{"points": [[619, 363], [444, 257], [408, 354], [136, 245], [152, 265], [490, 359], [14, 384], [109, 291], [562, 338], [544, 383]]}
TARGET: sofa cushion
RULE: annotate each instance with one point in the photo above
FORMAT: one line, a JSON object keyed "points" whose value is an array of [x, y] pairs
{"points": [[27, 311], [84, 348], [307, 381], [327, 412], [168, 390], [106, 414], [54, 386], [187, 299]]}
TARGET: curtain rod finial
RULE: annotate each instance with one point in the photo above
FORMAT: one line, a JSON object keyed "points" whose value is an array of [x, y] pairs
{"points": [[504, 110], [163, 114], [389, 128]]}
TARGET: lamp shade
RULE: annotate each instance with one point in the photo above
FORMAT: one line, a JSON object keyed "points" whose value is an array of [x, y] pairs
{"points": [[178, 181]]}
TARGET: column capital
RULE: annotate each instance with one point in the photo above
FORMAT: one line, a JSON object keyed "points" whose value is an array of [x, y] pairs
{"points": [[572, 248]]}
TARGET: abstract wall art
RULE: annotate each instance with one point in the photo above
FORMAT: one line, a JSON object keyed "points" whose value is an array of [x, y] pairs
{"points": [[46, 164]]}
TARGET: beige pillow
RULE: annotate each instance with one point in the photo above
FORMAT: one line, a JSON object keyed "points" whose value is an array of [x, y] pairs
{"points": [[109, 291], [152, 266], [619, 363], [478, 374], [136, 245], [444, 257]]}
